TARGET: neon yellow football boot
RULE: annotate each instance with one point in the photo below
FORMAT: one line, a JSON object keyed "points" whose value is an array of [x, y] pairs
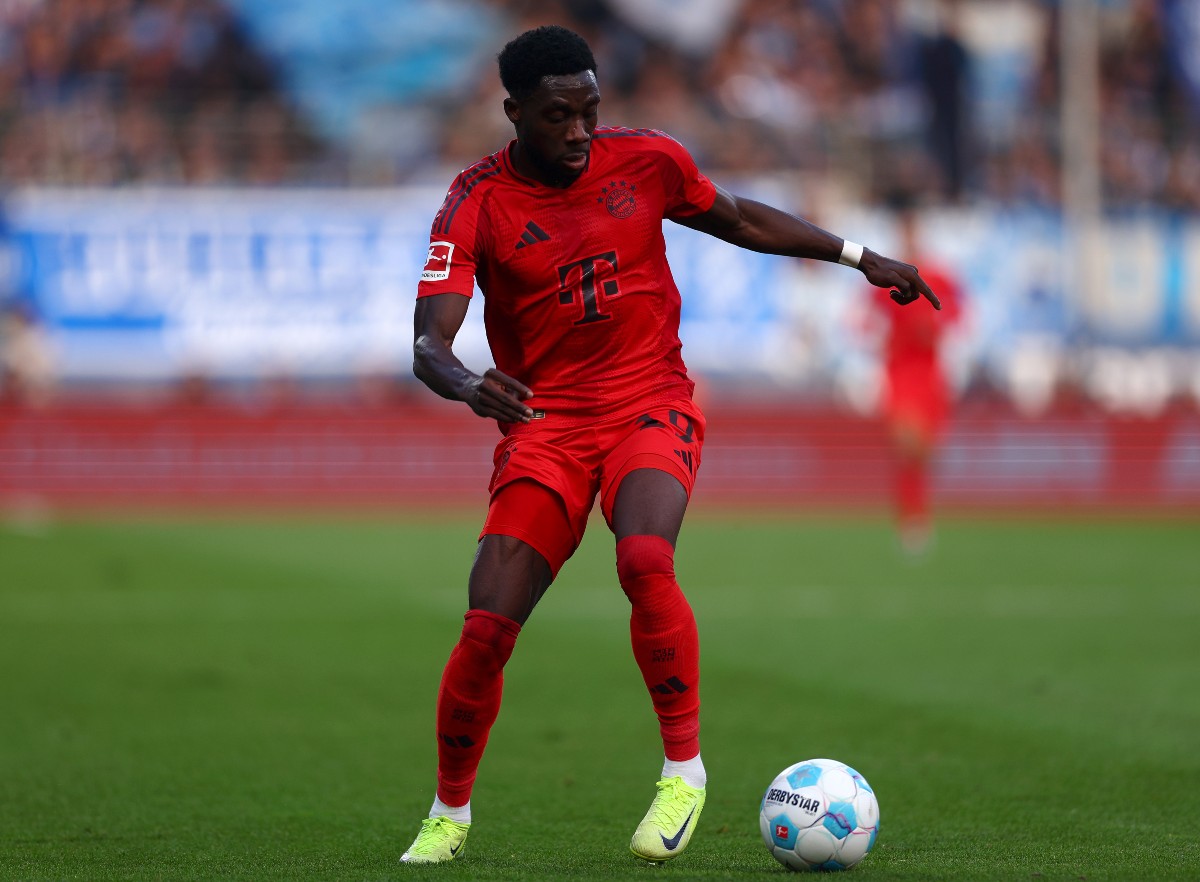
{"points": [[440, 839], [667, 828]]}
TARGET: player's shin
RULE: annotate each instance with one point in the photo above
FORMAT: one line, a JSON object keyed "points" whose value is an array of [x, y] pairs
{"points": [[469, 700], [665, 642]]}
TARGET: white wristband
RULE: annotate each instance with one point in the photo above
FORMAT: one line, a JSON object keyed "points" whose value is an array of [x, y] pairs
{"points": [[852, 253]]}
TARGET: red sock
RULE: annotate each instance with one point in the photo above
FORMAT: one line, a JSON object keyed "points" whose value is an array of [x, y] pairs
{"points": [[469, 700], [665, 643], [912, 491]]}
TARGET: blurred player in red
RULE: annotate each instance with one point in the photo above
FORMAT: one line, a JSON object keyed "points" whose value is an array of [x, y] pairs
{"points": [[917, 396], [562, 231]]}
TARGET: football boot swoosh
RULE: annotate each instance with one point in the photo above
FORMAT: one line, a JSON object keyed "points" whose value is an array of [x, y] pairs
{"points": [[670, 844]]}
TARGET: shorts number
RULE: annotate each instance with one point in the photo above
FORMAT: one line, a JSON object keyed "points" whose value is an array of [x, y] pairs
{"points": [[685, 431]]}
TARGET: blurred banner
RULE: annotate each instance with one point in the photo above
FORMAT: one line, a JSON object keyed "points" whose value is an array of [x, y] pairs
{"points": [[157, 285], [137, 285]]}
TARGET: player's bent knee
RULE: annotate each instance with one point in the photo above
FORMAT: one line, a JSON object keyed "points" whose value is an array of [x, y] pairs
{"points": [[641, 556], [493, 636]]}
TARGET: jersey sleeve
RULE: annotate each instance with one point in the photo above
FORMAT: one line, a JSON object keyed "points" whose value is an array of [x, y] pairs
{"points": [[688, 190], [450, 263]]}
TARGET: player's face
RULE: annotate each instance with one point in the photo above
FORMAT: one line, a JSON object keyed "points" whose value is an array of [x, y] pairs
{"points": [[554, 127]]}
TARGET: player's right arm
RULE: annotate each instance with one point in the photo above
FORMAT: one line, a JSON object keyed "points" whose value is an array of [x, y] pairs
{"points": [[493, 395]]}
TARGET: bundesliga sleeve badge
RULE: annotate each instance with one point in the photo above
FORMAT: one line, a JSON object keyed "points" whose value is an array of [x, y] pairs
{"points": [[437, 262]]}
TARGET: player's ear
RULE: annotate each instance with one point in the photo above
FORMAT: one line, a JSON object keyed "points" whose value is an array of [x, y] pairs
{"points": [[512, 110]]}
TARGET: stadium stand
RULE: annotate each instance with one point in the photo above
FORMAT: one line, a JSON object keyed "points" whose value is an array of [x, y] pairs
{"points": [[247, 91]]}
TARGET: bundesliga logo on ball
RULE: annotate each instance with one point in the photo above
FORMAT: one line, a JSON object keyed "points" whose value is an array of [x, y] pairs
{"points": [[819, 815]]}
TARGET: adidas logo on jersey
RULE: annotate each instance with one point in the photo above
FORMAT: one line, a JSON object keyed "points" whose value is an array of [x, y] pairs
{"points": [[532, 235]]}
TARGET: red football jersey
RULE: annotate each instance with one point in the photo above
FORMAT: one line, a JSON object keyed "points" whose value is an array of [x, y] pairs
{"points": [[579, 303]]}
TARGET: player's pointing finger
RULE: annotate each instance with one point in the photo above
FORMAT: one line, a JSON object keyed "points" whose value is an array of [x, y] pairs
{"points": [[928, 294]]}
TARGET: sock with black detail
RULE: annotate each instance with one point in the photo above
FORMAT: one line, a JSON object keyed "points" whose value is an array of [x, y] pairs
{"points": [[469, 701], [666, 646]]}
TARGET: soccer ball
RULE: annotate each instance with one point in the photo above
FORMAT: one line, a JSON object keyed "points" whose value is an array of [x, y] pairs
{"points": [[819, 815]]}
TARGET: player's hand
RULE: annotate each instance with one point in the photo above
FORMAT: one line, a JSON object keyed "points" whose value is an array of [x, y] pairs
{"points": [[499, 397], [904, 280]]}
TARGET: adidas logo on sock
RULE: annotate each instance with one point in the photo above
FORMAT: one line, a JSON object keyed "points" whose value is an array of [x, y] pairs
{"points": [[671, 686]]}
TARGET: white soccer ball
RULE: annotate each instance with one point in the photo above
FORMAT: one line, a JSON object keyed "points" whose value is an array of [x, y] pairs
{"points": [[819, 815]]}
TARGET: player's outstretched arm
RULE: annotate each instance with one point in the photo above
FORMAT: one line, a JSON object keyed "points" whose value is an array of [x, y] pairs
{"points": [[758, 227], [493, 395]]}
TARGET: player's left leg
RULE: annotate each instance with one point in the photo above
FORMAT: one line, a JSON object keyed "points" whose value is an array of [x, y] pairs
{"points": [[652, 476], [646, 519]]}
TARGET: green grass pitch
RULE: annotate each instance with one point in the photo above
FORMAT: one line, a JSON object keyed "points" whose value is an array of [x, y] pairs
{"points": [[252, 698]]}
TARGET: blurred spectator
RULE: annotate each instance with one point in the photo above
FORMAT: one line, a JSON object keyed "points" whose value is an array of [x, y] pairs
{"points": [[26, 360], [943, 70]]}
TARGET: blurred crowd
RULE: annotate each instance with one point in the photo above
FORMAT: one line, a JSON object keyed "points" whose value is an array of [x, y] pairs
{"points": [[108, 92], [959, 100]]}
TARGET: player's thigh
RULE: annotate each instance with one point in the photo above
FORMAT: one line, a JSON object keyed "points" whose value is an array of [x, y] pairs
{"points": [[509, 577], [542, 490], [649, 502], [538, 515], [525, 540], [647, 478]]}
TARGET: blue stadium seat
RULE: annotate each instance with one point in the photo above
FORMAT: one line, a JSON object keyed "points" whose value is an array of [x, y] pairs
{"points": [[337, 59]]}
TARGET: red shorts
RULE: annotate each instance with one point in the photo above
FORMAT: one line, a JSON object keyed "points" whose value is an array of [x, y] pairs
{"points": [[578, 463]]}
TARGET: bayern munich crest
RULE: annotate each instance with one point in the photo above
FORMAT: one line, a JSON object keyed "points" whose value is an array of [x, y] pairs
{"points": [[618, 198]]}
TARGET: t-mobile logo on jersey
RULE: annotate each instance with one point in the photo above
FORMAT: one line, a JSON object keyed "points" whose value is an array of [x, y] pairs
{"points": [[580, 280]]}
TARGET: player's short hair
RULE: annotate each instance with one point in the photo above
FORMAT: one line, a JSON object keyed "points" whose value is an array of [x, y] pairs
{"points": [[548, 51]]}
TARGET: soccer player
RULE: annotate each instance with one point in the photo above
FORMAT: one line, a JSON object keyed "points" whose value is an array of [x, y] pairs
{"points": [[916, 401], [562, 230]]}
